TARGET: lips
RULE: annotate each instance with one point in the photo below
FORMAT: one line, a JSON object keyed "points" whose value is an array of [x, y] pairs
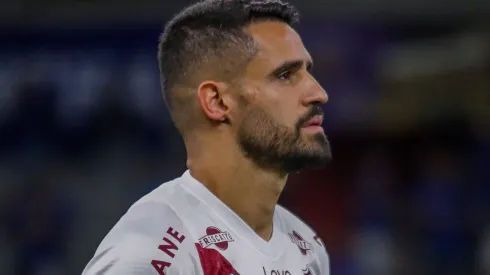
{"points": [[314, 121]]}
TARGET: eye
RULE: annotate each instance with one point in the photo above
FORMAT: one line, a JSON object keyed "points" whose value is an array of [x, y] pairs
{"points": [[285, 76]]}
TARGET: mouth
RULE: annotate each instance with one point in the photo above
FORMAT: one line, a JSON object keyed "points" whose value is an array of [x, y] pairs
{"points": [[314, 123]]}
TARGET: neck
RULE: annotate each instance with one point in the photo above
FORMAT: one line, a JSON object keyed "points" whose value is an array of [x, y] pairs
{"points": [[252, 193]]}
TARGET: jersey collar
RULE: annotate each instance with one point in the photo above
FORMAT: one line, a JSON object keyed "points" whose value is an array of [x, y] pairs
{"points": [[272, 248]]}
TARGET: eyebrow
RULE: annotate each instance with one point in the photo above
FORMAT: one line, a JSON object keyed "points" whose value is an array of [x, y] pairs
{"points": [[292, 65]]}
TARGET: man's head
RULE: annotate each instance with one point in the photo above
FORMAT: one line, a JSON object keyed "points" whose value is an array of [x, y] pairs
{"points": [[237, 68]]}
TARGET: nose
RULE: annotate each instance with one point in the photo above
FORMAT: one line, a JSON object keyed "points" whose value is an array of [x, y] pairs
{"points": [[315, 93]]}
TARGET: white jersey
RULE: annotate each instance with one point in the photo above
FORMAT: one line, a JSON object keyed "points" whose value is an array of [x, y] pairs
{"points": [[182, 228]]}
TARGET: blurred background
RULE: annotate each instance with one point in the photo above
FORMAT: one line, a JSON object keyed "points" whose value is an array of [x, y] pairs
{"points": [[84, 131]]}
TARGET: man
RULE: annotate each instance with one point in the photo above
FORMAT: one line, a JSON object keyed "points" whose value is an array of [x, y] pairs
{"points": [[236, 78]]}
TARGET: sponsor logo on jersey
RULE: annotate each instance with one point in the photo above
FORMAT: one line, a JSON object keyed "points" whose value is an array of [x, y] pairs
{"points": [[275, 272], [169, 246], [216, 237], [307, 271], [303, 245]]}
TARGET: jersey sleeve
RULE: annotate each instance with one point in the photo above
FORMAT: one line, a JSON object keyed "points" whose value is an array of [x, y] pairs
{"points": [[143, 245]]}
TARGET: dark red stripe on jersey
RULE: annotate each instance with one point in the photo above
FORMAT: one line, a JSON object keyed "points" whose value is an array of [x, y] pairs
{"points": [[213, 263]]}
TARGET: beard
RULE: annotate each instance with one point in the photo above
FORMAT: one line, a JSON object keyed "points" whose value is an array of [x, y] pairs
{"points": [[271, 145]]}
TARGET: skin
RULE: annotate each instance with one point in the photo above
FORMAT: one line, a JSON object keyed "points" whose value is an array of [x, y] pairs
{"points": [[216, 156]]}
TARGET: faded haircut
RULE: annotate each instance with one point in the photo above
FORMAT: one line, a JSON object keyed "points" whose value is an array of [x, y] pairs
{"points": [[207, 40]]}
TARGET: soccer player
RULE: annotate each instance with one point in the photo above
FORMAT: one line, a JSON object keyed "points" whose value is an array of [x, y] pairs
{"points": [[236, 78]]}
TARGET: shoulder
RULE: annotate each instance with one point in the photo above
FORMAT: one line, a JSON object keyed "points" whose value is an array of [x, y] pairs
{"points": [[299, 231], [151, 238]]}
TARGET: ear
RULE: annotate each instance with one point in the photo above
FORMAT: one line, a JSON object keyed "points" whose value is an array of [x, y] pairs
{"points": [[211, 98]]}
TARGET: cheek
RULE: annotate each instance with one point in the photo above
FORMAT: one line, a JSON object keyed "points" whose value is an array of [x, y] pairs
{"points": [[279, 102], [284, 117], [284, 112]]}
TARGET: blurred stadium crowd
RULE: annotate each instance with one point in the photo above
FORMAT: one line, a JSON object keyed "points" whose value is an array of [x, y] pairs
{"points": [[84, 133]]}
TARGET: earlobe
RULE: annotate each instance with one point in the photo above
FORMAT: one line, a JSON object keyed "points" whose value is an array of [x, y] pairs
{"points": [[210, 95]]}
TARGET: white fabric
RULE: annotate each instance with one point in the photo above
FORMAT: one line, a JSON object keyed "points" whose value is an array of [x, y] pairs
{"points": [[182, 228]]}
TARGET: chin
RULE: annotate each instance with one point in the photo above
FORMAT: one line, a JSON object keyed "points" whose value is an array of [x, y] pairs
{"points": [[317, 142], [319, 152]]}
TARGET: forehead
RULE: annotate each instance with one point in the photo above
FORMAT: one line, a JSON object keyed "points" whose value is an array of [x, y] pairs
{"points": [[277, 43]]}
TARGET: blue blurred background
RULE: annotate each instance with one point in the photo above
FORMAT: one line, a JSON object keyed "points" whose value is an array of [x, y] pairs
{"points": [[84, 131]]}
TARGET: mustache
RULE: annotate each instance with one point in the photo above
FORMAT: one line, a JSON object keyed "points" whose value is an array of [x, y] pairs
{"points": [[314, 111]]}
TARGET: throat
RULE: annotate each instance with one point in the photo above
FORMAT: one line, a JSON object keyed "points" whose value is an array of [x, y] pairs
{"points": [[255, 209], [251, 199], [250, 192]]}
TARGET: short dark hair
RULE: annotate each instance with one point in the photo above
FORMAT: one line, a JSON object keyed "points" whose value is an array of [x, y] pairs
{"points": [[208, 39]]}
